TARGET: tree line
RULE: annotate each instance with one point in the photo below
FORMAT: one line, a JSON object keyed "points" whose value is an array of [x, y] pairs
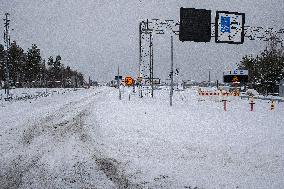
{"points": [[29, 69], [266, 70]]}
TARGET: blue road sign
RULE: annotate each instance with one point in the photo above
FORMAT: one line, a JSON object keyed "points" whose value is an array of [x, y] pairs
{"points": [[225, 24]]}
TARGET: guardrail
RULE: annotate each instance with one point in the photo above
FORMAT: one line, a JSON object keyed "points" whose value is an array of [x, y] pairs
{"points": [[263, 98], [26, 96]]}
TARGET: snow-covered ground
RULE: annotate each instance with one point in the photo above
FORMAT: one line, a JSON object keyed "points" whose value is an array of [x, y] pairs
{"points": [[90, 139]]}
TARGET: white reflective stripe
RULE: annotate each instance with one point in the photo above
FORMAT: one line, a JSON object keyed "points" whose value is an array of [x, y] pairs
{"points": [[236, 72]]}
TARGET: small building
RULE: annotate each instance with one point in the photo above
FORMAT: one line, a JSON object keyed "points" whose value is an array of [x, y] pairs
{"points": [[281, 88]]}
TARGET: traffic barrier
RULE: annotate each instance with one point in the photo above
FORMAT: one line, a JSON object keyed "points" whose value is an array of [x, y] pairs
{"points": [[225, 93], [235, 94], [206, 93]]}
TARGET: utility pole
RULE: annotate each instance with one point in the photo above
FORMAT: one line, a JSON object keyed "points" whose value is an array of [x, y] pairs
{"points": [[151, 65], [118, 83], [7, 45], [172, 72]]}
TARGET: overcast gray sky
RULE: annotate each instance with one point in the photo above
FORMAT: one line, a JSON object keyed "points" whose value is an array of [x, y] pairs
{"points": [[94, 36]]}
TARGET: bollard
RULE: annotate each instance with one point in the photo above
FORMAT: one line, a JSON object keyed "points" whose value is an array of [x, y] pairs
{"points": [[272, 107], [225, 105], [251, 103]]}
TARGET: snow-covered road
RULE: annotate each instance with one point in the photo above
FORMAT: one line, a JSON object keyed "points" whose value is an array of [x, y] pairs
{"points": [[90, 139], [45, 144]]}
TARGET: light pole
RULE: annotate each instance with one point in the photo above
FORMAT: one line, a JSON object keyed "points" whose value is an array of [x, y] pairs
{"points": [[172, 72], [140, 60]]}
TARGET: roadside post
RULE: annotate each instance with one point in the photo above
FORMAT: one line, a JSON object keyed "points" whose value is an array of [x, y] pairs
{"points": [[118, 83], [225, 96], [133, 85], [225, 104], [251, 102], [272, 106], [224, 100]]}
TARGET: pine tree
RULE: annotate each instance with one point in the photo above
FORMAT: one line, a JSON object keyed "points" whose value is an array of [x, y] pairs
{"points": [[58, 68], [42, 73], [16, 60], [33, 64], [267, 69], [55, 70], [2, 64], [30, 68]]}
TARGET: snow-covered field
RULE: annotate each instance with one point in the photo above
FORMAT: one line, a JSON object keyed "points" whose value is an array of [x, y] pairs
{"points": [[89, 139]]}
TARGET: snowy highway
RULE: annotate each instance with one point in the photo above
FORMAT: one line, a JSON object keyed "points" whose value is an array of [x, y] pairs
{"points": [[89, 139]]}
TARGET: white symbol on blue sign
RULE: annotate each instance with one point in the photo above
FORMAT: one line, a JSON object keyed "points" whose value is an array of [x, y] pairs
{"points": [[225, 24]]}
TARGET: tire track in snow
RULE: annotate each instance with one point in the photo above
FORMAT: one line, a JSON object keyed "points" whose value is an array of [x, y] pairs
{"points": [[12, 175], [28, 170]]}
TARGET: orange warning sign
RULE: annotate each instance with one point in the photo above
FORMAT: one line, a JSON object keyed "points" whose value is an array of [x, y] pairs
{"points": [[235, 79], [128, 81]]}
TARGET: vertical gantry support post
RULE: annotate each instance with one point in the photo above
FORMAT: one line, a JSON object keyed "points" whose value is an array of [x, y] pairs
{"points": [[151, 65], [140, 59]]}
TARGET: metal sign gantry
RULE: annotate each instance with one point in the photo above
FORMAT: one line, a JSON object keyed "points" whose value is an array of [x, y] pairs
{"points": [[152, 27]]}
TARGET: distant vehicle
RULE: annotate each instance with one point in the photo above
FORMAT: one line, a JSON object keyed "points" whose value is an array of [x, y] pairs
{"points": [[251, 92]]}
